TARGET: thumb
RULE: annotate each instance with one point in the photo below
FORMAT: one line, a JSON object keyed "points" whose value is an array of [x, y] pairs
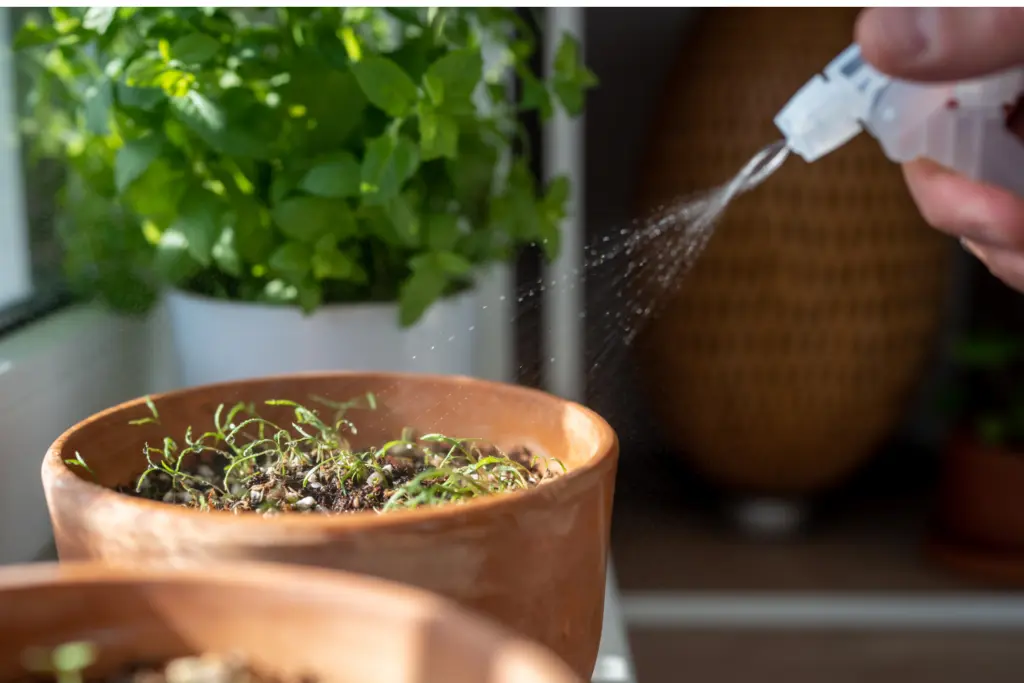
{"points": [[942, 43]]}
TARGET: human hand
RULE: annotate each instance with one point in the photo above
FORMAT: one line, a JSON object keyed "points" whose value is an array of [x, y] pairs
{"points": [[945, 44]]}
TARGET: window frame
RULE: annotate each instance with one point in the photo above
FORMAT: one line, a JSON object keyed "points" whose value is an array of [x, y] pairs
{"points": [[31, 286], [16, 285]]}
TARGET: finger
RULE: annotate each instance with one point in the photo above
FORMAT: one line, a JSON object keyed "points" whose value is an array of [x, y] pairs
{"points": [[1007, 265], [941, 43], [984, 214]]}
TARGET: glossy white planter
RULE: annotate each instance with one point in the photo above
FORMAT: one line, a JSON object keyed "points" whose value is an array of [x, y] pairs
{"points": [[216, 340]]}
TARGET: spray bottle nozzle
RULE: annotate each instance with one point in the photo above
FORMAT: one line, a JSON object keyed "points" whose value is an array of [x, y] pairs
{"points": [[959, 125], [830, 109]]}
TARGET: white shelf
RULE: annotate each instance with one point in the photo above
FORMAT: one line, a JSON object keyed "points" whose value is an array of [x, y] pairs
{"points": [[614, 659]]}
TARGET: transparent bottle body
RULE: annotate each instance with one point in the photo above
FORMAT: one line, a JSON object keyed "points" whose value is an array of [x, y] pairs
{"points": [[962, 126]]}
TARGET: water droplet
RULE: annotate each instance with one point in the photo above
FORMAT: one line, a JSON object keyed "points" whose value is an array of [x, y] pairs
{"points": [[431, 348], [451, 338], [472, 327], [501, 298]]}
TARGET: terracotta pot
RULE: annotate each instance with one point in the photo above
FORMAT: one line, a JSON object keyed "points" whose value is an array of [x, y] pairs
{"points": [[533, 560], [335, 627], [980, 495]]}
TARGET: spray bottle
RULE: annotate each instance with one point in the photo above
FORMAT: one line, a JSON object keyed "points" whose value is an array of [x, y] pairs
{"points": [[973, 127]]}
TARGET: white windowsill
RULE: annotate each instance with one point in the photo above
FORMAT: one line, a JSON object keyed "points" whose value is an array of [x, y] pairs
{"points": [[54, 373]]}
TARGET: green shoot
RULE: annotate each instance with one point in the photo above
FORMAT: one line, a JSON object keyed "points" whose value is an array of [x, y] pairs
{"points": [[79, 461], [152, 418], [66, 662], [247, 463]]}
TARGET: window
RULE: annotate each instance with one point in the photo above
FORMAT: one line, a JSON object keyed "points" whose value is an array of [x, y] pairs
{"points": [[29, 255], [15, 260]]}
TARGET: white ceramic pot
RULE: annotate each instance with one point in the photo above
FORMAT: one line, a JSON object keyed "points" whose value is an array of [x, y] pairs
{"points": [[216, 340]]}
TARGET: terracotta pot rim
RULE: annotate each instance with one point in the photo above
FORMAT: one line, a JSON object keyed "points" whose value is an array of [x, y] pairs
{"points": [[24, 575], [400, 600], [58, 477]]}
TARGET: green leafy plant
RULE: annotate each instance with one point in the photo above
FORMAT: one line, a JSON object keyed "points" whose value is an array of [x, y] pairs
{"points": [[292, 155], [989, 395]]}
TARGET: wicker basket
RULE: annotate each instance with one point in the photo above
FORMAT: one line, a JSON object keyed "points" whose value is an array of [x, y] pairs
{"points": [[791, 348]]}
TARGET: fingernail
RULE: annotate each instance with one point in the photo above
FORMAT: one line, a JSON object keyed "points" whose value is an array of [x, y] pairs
{"points": [[972, 248], [907, 30]]}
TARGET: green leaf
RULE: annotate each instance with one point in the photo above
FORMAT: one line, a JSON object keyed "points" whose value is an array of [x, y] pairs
{"points": [[195, 48], [139, 98], [336, 178], [307, 219], [388, 164], [98, 19], [385, 85], [331, 263], [446, 262], [205, 118], [333, 100], [254, 239], [419, 292], [451, 80], [552, 212], [442, 231], [200, 221], [472, 174], [225, 253], [284, 182], [514, 212], [535, 95], [439, 133], [134, 158], [99, 100], [572, 78], [310, 295], [404, 219], [157, 192], [292, 260], [33, 35], [173, 260]]}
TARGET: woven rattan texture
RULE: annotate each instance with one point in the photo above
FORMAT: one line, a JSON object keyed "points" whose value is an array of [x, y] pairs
{"points": [[792, 347]]}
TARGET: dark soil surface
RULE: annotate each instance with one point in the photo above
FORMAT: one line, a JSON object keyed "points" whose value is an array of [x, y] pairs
{"points": [[247, 464], [414, 474]]}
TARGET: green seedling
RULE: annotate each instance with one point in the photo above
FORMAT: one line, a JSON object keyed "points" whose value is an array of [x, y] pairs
{"points": [[66, 662], [78, 461], [301, 461]]}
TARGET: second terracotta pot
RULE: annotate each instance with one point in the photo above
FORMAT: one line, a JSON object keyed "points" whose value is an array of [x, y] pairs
{"points": [[533, 560], [980, 496], [295, 624]]}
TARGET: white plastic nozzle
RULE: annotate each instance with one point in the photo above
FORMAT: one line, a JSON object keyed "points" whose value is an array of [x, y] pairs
{"points": [[830, 109], [964, 126]]}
